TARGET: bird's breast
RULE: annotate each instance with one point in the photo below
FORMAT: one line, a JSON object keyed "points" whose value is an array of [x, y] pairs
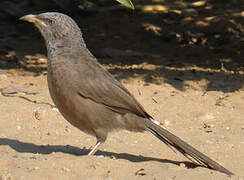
{"points": [[62, 89], [60, 80]]}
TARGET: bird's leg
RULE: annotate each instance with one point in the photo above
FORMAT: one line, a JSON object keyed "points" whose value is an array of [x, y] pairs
{"points": [[95, 148]]}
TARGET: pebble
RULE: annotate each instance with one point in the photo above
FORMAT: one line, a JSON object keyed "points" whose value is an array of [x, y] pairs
{"points": [[156, 121], [38, 114], [67, 129], [100, 156], [140, 172], [55, 109], [167, 123], [66, 169], [182, 165], [36, 168]]}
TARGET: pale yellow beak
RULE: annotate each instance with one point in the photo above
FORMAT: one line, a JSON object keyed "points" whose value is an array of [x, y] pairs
{"points": [[32, 19]]}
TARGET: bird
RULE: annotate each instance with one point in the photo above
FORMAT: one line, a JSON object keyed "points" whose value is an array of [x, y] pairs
{"points": [[89, 97]]}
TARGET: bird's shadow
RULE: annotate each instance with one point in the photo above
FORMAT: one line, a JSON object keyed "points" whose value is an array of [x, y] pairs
{"points": [[23, 147]]}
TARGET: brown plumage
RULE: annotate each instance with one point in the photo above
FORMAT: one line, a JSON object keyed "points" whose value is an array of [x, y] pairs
{"points": [[89, 97]]}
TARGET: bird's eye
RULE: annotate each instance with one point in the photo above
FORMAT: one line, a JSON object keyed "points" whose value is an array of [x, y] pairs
{"points": [[50, 21]]}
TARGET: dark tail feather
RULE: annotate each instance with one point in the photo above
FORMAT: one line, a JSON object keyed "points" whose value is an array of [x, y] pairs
{"points": [[188, 151]]}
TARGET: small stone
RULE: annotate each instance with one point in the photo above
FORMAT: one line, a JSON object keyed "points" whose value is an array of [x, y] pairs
{"points": [[182, 165], [36, 168], [55, 109], [67, 129], [38, 114], [100, 156], [113, 157], [140, 172], [65, 169], [167, 123], [156, 121]]}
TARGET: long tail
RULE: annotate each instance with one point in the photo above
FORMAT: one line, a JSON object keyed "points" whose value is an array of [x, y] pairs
{"points": [[188, 151]]}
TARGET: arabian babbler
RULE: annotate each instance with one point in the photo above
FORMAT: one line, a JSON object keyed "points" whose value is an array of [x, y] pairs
{"points": [[89, 97]]}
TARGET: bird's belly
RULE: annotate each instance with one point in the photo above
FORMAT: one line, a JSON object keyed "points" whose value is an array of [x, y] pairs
{"points": [[85, 113], [66, 100]]}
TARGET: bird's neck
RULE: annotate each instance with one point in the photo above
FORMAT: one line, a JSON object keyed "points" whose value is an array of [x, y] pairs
{"points": [[65, 47]]}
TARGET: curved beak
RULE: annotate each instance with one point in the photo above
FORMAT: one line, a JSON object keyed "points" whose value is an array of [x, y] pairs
{"points": [[32, 19]]}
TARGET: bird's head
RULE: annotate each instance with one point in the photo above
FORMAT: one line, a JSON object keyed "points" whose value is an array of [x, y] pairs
{"points": [[54, 26]]}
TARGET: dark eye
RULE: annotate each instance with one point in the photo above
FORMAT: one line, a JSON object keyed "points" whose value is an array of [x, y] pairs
{"points": [[50, 21]]}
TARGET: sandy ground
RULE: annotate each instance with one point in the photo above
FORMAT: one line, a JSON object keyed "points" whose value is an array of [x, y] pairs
{"points": [[37, 143]]}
